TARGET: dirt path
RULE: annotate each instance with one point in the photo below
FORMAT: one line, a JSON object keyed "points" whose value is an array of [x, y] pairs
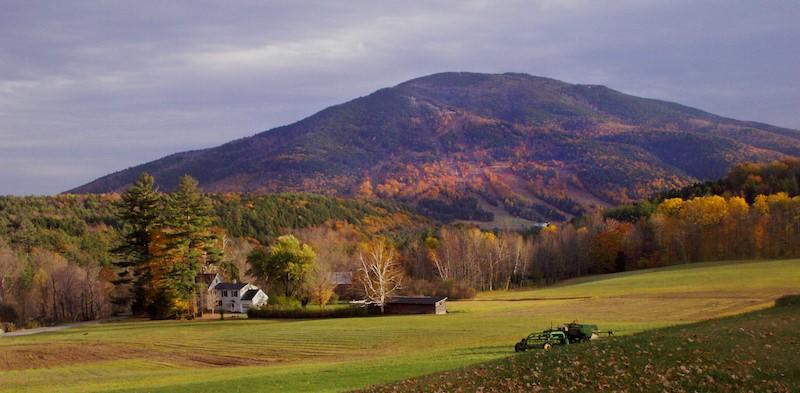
{"points": [[27, 332]]}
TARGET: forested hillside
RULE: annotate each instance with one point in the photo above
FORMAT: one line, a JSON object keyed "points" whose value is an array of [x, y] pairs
{"points": [[60, 257], [84, 227], [535, 148], [748, 180], [57, 259]]}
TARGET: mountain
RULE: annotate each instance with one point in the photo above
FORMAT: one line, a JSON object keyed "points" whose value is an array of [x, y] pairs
{"points": [[469, 145]]}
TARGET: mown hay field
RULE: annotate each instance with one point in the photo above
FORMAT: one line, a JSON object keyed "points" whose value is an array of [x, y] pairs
{"points": [[343, 354], [751, 352]]}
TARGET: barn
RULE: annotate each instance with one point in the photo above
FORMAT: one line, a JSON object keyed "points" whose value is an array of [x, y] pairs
{"points": [[416, 305]]}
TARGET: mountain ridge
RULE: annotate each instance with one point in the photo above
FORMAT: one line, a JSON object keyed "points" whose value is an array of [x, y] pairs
{"points": [[537, 147]]}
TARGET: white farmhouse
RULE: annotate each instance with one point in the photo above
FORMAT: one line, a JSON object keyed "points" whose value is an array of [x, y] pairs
{"points": [[237, 297]]}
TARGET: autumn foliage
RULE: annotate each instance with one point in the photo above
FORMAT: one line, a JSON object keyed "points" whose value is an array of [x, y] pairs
{"points": [[699, 229]]}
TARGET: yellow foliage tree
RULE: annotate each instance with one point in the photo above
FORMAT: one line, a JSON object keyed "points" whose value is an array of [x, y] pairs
{"points": [[365, 189], [671, 207]]}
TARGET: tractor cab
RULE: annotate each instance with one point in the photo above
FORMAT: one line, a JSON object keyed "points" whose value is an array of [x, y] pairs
{"points": [[577, 332]]}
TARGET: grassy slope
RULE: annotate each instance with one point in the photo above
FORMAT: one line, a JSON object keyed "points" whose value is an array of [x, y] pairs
{"points": [[333, 355], [756, 351]]}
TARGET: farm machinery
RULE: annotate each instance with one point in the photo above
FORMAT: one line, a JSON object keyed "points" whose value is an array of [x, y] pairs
{"points": [[569, 333]]}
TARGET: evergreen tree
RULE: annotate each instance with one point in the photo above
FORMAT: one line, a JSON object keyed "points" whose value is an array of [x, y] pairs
{"points": [[187, 244], [137, 212]]}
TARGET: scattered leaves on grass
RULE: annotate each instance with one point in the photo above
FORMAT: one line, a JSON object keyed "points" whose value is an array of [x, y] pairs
{"points": [[723, 355]]}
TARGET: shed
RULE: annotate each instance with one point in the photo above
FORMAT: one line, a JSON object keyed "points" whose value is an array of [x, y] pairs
{"points": [[344, 285], [417, 305]]}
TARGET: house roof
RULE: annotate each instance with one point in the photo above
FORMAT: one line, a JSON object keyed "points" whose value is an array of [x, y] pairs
{"points": [[416, 299], [230, 285], [250, 294]]}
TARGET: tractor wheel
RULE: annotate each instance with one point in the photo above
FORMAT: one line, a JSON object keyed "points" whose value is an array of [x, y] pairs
{"points": [[519, 348], [547, 346]]}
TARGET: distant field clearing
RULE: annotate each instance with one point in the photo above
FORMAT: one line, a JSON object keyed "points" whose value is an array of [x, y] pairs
{"points": [[335, 355]]}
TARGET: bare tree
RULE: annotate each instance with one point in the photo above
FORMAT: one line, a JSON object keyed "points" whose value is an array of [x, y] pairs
{"points": [[380, 273], [445, 252], [234, 265], [519, 257], [334, 246], [497, 253], [213, 300], [474, 255], [484, 260], [61, 291], [10, 270]]}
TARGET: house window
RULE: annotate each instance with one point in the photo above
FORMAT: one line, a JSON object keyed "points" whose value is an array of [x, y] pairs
{"points": [[235, 293], [225, 293]]}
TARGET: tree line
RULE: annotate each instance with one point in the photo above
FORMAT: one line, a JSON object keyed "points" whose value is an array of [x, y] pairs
{"points": [[747, 180], [678, 231], [76, 257], [73, 242], [42, 287]]}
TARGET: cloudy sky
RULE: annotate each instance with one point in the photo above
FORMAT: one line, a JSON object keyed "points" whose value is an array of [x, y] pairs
{"points": [[88, 88]]}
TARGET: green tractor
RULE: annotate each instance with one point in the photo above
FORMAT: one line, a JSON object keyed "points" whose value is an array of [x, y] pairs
{"points": [[569, 333], [545, 340], [583, 332]]}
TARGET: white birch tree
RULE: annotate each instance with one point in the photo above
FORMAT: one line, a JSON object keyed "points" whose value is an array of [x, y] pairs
{"points": [[380, 273]]}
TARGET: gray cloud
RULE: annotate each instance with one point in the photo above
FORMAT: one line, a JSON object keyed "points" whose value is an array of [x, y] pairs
{"points": [[88, 88]]}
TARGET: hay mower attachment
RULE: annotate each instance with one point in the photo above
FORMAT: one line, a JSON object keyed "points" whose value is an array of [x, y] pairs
{"points": [[569, 333]]}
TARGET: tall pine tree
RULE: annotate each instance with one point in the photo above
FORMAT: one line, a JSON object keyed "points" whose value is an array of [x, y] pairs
{"points": [[185, 245], [138, 211]]}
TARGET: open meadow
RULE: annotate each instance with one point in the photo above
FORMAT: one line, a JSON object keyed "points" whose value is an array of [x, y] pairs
{"points": [[750, 352], [343, 354]]}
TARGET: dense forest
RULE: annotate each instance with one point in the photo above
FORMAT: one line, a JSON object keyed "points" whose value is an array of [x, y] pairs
{"points": [[748, 181], [745, 180], [59, 254], [63, 258]]}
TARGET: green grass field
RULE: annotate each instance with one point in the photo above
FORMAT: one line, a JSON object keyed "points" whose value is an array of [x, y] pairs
{"points": [[343, 354], [751, 352]]}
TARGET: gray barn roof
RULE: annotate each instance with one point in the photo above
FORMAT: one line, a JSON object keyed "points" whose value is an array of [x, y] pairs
{"points": [[342, 278]]}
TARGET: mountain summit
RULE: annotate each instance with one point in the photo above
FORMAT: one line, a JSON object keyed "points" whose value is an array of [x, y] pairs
{"points": [[537, 148]]}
